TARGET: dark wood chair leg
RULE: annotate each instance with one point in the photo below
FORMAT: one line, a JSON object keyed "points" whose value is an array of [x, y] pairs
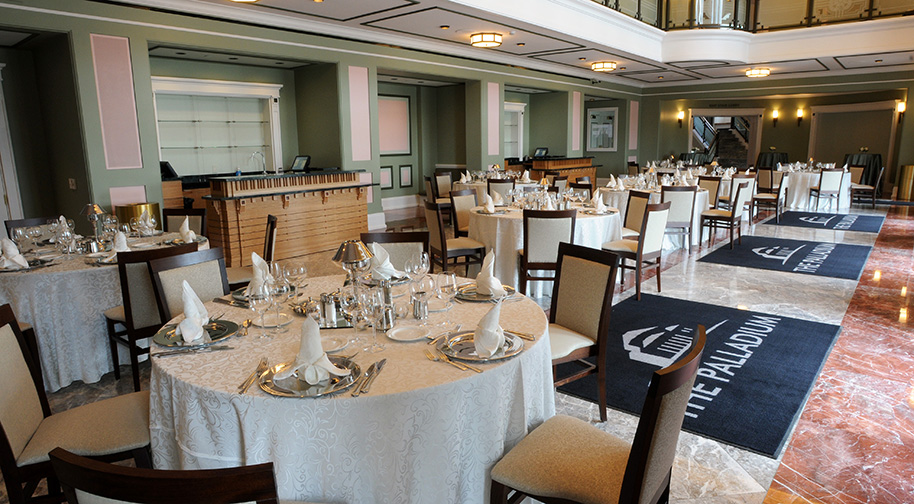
{"points": [[143, 457], [135, 366], [601, 387], [658, 274], [113, 343], [498, 494]]}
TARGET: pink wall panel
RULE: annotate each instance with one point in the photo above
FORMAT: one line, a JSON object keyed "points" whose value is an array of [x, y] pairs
{"points": [[393, 125], [633, 125], [125, 195], [576, 124], [494, 109], [116, 101], [359, 116]]}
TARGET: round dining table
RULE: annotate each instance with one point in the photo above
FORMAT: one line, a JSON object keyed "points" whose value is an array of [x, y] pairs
{"points": [[797, 195], [482, 187], [65, 302], [503, 232], [426, 431]]}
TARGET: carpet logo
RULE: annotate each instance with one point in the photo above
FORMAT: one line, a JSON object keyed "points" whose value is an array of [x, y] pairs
{"points": [[777, 252], [845, 223], [658, 346]]}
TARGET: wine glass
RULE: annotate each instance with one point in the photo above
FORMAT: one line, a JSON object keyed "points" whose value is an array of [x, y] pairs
{"points": [[281, 290], [21, 237], [296, 272], [260, 299], [351, 307], [421, 290], [34, 233], [65, 241], [372, 301], [447, 289]]}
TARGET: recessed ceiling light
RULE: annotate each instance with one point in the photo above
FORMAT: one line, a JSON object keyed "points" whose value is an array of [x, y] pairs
{"points": [[603, 66], [621, 68], [393, 78], [660, 77], [421, 82], [758, 72], [582, 59], [879, 61], [180, 53], [279, 63], [232, 58], [521, 44], [444, 27], [245, 1], [485, 39]]}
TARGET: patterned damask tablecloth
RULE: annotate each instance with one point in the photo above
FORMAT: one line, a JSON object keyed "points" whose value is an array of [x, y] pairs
{"points": [[619, 199], [65, 302], [427, 432]]}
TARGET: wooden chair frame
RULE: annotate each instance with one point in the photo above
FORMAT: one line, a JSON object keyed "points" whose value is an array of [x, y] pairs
{"points": [[269, 248], [157, 266], [734, 221], [582, 187], [181, 212], [525, 266], [713, 182], [599, 348], [683, 228], [455, 220], [12, 224], [858, 190], [817, 191], [442, 257], [764, 200], [490, 182], [642, 260], [400, 237]]}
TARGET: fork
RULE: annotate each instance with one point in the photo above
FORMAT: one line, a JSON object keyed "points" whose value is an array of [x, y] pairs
{"points": [[461, 365], [435, 358]]}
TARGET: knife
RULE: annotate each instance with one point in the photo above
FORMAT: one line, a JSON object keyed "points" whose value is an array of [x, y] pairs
{"points": [[198, 349], [231, 302], [370, 379], [256, 374], [358, 386]]}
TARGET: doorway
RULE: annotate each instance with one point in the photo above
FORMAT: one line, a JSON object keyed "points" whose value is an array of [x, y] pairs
{"points": [[731, 136]]}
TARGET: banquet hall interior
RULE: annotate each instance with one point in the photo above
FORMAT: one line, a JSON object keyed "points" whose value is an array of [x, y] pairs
{"points": [[342, 118]]}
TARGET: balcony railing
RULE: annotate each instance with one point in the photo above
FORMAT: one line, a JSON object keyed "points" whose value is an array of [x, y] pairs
{"points": [[755, 15]]}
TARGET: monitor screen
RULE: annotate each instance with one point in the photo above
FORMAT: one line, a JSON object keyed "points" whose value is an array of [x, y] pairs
{"points": [[167, 171], [541, 152], [301, 163]]}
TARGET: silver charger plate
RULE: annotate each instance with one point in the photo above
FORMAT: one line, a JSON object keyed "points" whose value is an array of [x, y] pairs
{"points": [[371, 282], [609, 211], [217, 329], [462, 346], [180, 241], [467, 292], [496, 212], [293, 387]]}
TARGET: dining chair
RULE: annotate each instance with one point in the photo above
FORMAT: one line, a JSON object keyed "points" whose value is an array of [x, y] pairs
{"points": [[543, 231], [87, 481], [239, 276], [633, 169], [647, 251], [583, 180], [204, 271], [634, 213], [867, 190], [462, 202], [174, 217], [431, 192], [771, 200], [765, 180], [567, 459], [582, 295], [856, 174], [560, 182], [500, 186], [730, 219], [12, 224], [443, 184], [723, 201], [401, 245], [682, 208], [112, 429], [712, 185], [138, 315], [586, 187], [442, 249], [829, 187]]}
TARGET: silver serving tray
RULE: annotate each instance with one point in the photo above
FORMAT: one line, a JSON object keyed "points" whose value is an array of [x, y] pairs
{"points": [[293, 387], [467, 292], [217, 329], [461, 346]]}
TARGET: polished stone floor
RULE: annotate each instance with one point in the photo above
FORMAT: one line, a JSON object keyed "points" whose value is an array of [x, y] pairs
{"points": [[853, 441]]}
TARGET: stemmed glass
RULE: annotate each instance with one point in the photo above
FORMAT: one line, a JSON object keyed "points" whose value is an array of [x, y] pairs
{"points": [[373, 305], [447, 290], [21, 237], [296, 272], [35, 233], [351, 306], [281, 290], [260, 299], [421, 291]]}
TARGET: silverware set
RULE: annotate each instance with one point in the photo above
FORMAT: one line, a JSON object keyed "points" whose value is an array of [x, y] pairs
{"points": [[439, 356], [258, 372], [192, 350], [364, 383]]}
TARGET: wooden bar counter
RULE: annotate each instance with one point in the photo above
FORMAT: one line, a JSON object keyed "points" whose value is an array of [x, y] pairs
{"points": [[566, 167], [316, 212]]}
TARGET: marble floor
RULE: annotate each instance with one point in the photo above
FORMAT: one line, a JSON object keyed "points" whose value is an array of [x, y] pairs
{"points": [[853, 441]]}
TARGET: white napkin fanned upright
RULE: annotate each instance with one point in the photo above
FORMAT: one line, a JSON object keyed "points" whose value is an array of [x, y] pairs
{"points": [[119, 245], [463, 178], [526, 176], [195, 316], [260, 273], [312, 363], [380, 264], [486, 283], [488, 204], [598, 205], [612, 181], [497, 199], [489, 337], [11, 258], [549, 204], [186, 234]]}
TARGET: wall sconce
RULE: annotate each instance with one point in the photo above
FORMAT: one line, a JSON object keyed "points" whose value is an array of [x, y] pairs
{"points": [[680, 116], [799, 116], [901, 108], [774, 115]]}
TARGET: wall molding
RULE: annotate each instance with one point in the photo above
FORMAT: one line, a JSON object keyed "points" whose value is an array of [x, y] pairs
{"points": [[398, 202]]}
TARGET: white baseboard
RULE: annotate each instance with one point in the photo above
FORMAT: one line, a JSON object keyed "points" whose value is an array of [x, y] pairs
{"points": [[377, 221], [398, 202]]}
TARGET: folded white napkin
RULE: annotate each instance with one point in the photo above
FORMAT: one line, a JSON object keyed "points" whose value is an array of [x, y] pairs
{"points": [[463, 178], [486, 283], [497, 199], [186, 234], [620, 185], [11, 258], [598, 204], [195, 316], [380, 263], [489, 337], [526, 176], [120, 245], [488, 204], [549, 204], [260, 273], [312, 363], [611, 182]]}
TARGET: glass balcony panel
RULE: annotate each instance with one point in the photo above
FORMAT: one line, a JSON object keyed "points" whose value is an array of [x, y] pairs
{"points": [[628, 7], [828, 11], [679, 14], [781, 14], [889, 7]]}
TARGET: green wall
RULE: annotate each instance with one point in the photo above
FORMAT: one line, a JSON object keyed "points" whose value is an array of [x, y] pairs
{"points": [[609, 162], [452, 137], [318, 114], [549, 113]]}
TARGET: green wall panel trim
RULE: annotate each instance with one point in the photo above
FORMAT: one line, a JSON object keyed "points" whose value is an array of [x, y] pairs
{"points": [[428, 132]]}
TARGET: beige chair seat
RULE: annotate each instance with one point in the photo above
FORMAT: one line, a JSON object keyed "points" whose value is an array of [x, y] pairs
{"points": [[239, 274], [766, 196], [862, 186], [716, 212], [100, 428], [568, 458], [116, 314], [563, 341], [455, 245], [630, 233], [623, 245]]}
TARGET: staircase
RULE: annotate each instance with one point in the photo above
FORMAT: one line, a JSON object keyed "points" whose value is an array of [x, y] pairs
{"points": [[732, 149]]}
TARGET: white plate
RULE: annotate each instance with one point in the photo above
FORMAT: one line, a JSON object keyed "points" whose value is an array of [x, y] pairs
{"points": [[334, 344], [408, 333], [96, 254], [269, 320], [144, 245]]}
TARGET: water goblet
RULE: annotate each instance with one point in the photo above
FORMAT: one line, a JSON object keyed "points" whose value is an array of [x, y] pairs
{"points": [[296, 272], [352, 309], [373, 306], [260, 299], [281, 290], [447, 290], [21, 237]]}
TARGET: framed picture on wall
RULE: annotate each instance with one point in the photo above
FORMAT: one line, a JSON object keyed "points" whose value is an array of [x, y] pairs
{"points": [[602, 129], [393, 125], [406, 175], [387, 180]]}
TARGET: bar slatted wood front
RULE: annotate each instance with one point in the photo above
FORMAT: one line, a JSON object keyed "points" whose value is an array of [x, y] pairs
{"points": [[568, 167], [315, 213]]}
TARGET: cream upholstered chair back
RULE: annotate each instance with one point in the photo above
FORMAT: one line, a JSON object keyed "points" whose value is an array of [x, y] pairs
{"points": [[634, 212], [765, 178], [682, 204], [429, 190], [194, 222], [856, 173], [443, 184], [461, 203], [20, 406], [560, 183], [742, 196], [204, 271], [500, 186], [712, 185], [435, 233], [739, 178], [544, 230], [401, 246], [580, 294], [777, 178], [143, 311], [654, 226], [830, 181]]}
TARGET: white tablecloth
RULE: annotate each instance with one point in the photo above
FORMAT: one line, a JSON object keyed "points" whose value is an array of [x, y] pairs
{"points": [[65, 303], [505, 234], [482, 187], [427, 432], [619, 199], [798, 184]]}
